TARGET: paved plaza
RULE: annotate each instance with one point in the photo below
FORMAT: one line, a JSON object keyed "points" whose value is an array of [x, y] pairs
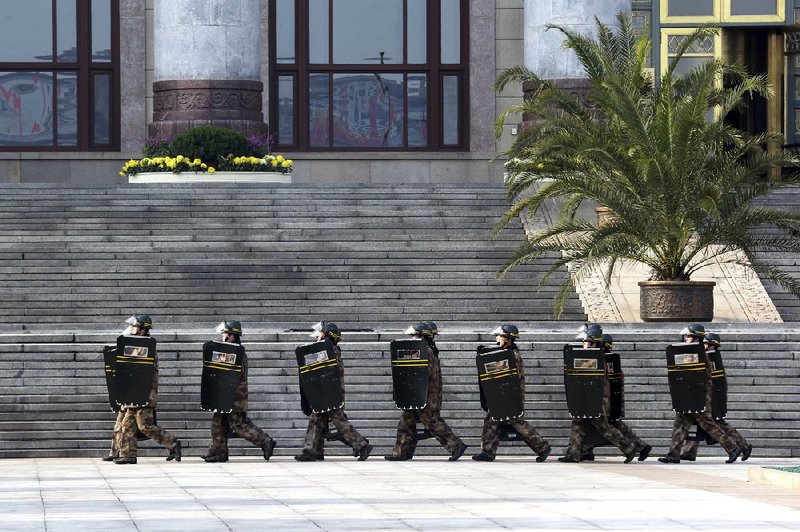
{"points": [[425, 494]]}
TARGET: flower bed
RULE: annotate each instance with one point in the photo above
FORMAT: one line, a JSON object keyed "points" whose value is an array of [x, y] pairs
{"points": [[166, 169]]}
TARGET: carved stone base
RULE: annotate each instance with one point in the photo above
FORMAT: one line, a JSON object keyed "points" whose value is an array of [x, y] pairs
{"points": [[180, 105], [676, 301]]}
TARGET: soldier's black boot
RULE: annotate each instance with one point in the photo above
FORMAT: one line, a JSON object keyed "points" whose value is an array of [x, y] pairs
{"points": [[268, 449], [363, 453], [125, 460], [670, 459], [175, 452], [216, 457], [459, 452], [397, 457], [544, 454], [644, 452], [630, 456], [569, 458], [734, 454], [307, 456], [689, 457], [483, 456], [588, 457], [746, 452]]}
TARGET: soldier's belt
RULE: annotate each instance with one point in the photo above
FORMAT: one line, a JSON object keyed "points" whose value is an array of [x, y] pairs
{"points": [[223, 367], [318, 365], [497, 375]]}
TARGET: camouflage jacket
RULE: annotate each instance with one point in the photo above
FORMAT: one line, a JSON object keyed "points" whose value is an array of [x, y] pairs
{"points": [[240, 400]]}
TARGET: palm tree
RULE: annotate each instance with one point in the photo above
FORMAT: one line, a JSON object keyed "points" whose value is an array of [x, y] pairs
{"points": [[683, 185]]}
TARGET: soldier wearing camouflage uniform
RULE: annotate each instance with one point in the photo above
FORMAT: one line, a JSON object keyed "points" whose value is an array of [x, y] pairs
{"points": [[430, 416], [236, 421], [639, 445], [142, 417], [314, 447], [592, 336], [712, 343], [696, 333], [490, 438]]}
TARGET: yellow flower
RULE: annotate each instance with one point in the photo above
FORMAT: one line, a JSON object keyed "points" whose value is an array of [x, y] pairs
{"points": [[203, 166], [179, 159], [291, 162], [197, 162], [123, 174], [275, 162], [237, 160], [285, 164], [268, 157], [279, 158], [211, 170], [146, 161]]}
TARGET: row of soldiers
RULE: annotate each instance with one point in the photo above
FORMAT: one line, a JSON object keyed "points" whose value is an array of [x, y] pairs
{"points": [[593, 379]]}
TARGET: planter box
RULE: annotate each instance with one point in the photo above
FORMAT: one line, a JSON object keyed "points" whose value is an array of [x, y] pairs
{"points": [[678, 301], [774, 477], [216, 177]]}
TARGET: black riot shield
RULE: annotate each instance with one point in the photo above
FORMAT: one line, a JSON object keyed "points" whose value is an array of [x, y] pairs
{"points": [[320, 381], [223, 364], [410, 371], [134, 370], [616, 386], [500, 384], [686, 372], [584, 380], [110, 363], [719, 386]]}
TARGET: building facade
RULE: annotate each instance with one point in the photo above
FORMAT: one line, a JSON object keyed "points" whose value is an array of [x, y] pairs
{"points": [[368, 91]]}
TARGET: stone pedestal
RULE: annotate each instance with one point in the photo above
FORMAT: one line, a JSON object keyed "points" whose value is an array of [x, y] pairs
{"points": [[207, 66]]}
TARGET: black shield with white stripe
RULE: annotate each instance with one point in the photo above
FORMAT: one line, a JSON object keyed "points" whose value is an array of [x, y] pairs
{"points": [[719, 386], [135, 366], [500, 383], [616, 386], [109, 365], [223, 364], [410, 372], [320, 380], [687, 375], [584, 380]]}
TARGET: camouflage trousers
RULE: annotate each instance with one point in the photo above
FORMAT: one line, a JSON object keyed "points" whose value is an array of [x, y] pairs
{"points": [[683, 422], [690, 449], [117, 435], [490, 437], [406, 443], [626, 431], [237, 422], [581, 427], [318, 424], [143, 419]]}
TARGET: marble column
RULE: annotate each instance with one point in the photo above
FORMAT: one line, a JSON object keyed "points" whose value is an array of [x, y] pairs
{"points": [[207, 66], [543, 53]]}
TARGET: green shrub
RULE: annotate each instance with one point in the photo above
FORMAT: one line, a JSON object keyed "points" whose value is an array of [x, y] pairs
{"points": [[210, 144]]}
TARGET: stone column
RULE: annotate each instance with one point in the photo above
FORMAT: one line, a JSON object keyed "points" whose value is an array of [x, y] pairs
{"points": [[207, 66], [543, 53]]}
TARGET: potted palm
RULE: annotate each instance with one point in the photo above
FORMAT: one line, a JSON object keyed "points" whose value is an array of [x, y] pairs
{"points": [[685, 187]]}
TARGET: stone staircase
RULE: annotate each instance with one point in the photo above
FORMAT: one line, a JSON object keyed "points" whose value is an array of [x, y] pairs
{"points": [[53, 399], [283, 254], [787, 304]]}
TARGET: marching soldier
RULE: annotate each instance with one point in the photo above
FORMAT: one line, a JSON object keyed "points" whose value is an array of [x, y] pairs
{"points": [[693, 334], [640, 446], [115, 438], [490, 438], [314, 447], [712, 343], [592, 337], [142, 417], [430, 417], [237, 420]]}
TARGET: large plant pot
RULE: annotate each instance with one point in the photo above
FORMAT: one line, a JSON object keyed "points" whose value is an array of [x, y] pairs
{"points": [[605, 216], [218, 177], [679, 301]]}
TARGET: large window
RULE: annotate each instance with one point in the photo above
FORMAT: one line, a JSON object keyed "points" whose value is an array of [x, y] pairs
{"points": [[722, 11], [369, 74], [59, 75]]}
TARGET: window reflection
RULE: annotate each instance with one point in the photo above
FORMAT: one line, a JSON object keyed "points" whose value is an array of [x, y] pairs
{"points": [[284, 31], [417, 88], [450, 106], [26, 109], [319, 110], [451, 31], [368, 110], [318, 26], [101, 109], [754, 7], [67, 115], [101, 30], [67, 27], [690, 8], [286, 110]]}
